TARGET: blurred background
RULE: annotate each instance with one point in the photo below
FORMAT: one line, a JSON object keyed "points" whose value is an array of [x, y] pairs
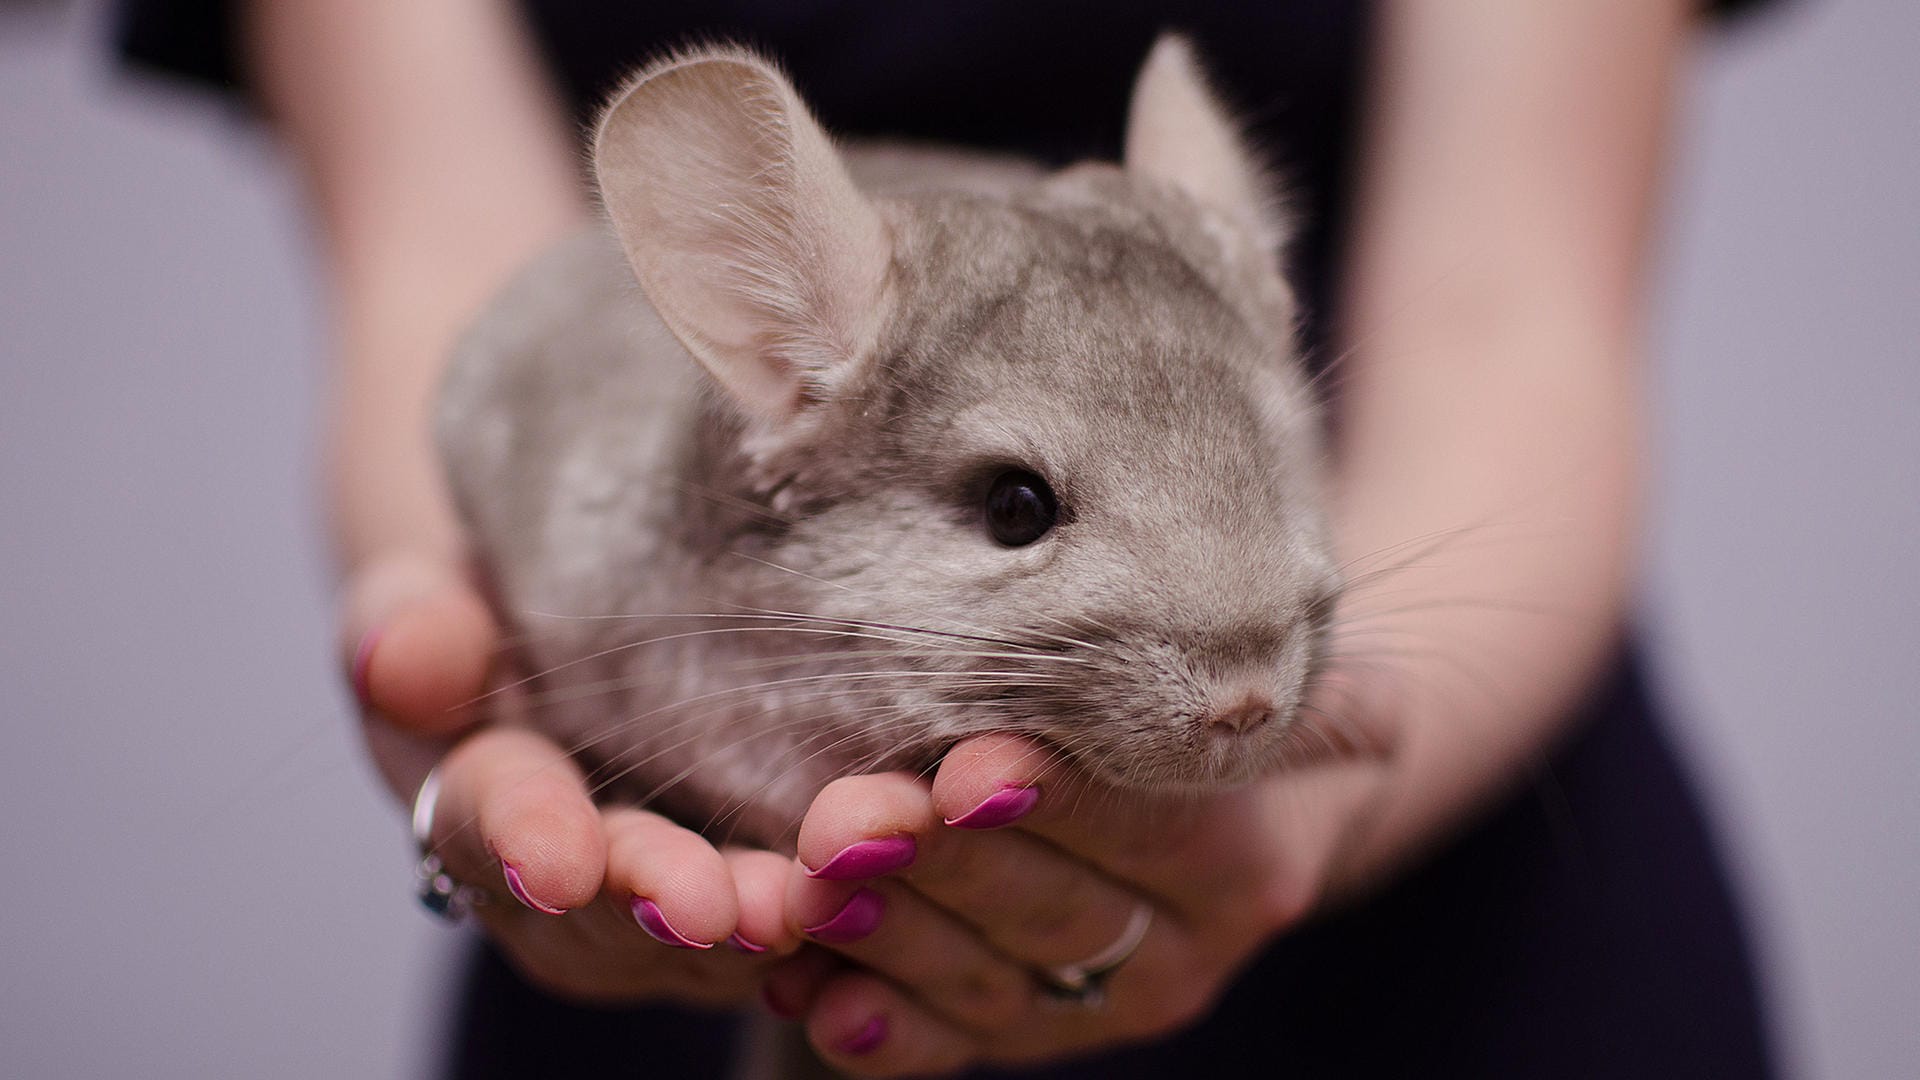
{"points": [[205, 881]]}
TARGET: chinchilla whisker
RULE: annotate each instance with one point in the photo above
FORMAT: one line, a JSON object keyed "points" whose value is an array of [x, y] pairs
{"points": [[583, 691], [867, 764], [739, 804], [1026, 652], [693, 768], [603, 779], [621, 727], [1457, 603], [842, 586], [586, 690], [1356, 741], [1096, 623], [1447, 654], [975, 631], [1046, 751], [811, 680], [862, 654], [507, 643], [890, 679], [743, 615], [804, 617], [1476, 534], [1423, 545], [775, 621], [732, 501], [769, 620], [663, 638], [1343, 723]]}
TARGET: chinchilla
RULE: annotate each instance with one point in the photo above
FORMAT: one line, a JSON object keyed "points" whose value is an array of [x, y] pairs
{"points": [[811, 462]]}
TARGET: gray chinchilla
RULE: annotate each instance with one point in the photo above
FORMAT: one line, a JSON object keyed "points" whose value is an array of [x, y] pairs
{"points": [[815, 462]]}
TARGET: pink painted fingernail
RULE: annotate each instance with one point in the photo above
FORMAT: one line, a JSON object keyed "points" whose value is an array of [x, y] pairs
{"points": [[857, 918], [742, 944], [868, 1038], [1003, 807], [362, 661], [519, 891], [776, 1006], [654, 922], [868, 859]]}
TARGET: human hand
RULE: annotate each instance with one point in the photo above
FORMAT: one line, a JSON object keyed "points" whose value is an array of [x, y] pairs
{"points": [[613, 905], [945, 952]]}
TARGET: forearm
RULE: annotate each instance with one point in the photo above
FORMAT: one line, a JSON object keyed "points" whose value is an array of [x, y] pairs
{"points": [[438, 161], [1488, 460], [1492, 572]]}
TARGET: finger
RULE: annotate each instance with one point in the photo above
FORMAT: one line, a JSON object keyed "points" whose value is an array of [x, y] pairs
{"points": [[862, 1026], [1156, 992], [760, 883], [1026, 897], [513, 811], [669, 879], [417, 640], [862, 827], [1030, 901], [865, 1025], [889, 928], [1185, 850], [790, 987]]}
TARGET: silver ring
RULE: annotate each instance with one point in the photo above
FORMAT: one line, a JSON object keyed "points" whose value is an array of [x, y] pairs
{"points": [[438, 890], [1085, 983]]}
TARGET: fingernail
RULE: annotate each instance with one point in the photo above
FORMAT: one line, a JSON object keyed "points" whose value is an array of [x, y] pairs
{"points": [[867, 1038], [519, 891], [776, 1006], [1003, 807], [857, 918], [743, 945], [868, 859], [654, 922], [362, 661]]}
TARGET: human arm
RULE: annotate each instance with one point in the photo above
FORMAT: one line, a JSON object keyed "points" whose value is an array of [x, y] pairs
{"points": [[1486, 475], [438, 161]]}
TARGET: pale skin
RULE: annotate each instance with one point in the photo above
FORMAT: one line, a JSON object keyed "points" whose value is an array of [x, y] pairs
{"points": [[1487, 468]]}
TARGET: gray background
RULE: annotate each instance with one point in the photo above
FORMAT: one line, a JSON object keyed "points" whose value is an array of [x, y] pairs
{"points": [[200, 879]]}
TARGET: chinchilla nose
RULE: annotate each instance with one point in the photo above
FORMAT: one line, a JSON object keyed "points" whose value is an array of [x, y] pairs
{"points": [[1248, 712]]}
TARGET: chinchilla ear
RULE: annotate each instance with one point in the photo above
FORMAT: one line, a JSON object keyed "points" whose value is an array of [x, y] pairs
{"points": [[743, 226], [1178, 133]]}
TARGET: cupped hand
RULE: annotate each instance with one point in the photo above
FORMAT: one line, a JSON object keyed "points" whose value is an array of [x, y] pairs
{"points": [[611, 905], [608, 905], [952, 900]]}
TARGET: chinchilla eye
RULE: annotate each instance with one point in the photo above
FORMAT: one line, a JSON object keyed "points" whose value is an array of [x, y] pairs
{"points": [[1020, 508]]}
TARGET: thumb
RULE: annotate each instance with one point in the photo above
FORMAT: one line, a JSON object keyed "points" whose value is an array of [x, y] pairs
{"points": [[417, 640]]}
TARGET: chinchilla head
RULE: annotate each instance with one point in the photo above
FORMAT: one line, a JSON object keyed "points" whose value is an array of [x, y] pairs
{"points": [[1055, 442]]}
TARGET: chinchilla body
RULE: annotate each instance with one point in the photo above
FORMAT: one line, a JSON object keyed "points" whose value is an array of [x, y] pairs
{"points": [[813, 462]]}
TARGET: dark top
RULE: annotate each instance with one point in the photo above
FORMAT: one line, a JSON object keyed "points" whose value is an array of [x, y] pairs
{"points": [[1045, 78], [1582, 929]]}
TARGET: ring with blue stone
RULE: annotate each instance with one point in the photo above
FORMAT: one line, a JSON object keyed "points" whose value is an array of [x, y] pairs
{"points": [[443, 895]]}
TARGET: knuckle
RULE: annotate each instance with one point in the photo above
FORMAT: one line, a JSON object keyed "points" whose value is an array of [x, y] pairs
{"points": [[1053, 921], [989, 998], [964, 871]]}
